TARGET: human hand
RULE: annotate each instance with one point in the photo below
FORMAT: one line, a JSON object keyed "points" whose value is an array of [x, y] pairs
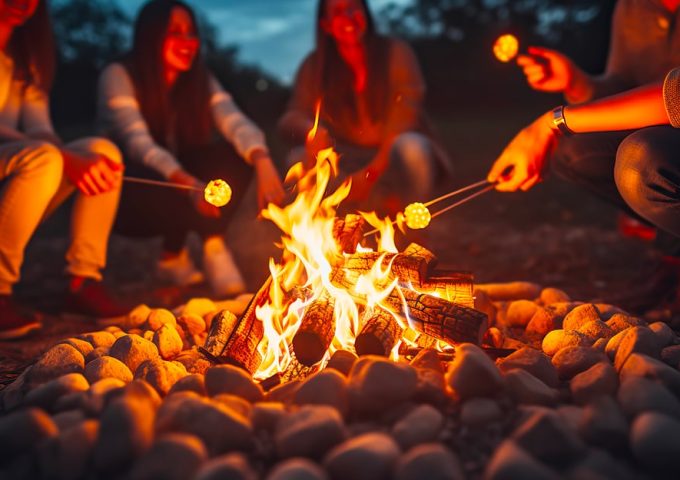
{"points": [[92, 173], [523, 161], [269, 185], [547, 70]]}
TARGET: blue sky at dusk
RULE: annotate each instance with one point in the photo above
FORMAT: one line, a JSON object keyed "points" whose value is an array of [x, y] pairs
{"points": [[274, 34]]}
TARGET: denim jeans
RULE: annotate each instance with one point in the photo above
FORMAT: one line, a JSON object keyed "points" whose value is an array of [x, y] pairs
{"points": [[639, 171], [33, 186]]}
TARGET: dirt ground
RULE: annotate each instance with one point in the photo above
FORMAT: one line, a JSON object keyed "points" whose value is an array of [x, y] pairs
{"points": [[554, 235]]}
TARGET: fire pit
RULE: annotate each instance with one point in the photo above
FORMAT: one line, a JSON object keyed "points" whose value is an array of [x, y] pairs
{"points": [[353, 360]]}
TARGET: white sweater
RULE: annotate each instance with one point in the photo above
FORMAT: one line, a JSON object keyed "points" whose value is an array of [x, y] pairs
{"points": [[22, 107], [119, 117]]}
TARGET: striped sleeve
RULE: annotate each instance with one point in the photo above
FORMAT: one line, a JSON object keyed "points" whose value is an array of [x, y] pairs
{"points": [[234, 126], [671, 96]]}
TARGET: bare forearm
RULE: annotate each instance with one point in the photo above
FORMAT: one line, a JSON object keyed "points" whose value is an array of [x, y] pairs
{"points": [[634, 109]]}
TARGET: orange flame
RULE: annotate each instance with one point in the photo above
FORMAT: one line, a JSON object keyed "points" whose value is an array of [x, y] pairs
{"points": [[312, 133], [311, 262]]}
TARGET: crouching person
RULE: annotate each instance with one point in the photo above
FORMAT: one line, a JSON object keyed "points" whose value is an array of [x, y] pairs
{"points": [[38, 172]]}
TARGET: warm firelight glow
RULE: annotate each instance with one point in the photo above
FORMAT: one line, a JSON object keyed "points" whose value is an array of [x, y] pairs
{"points": [[417, 216], [217, 193], [506, 48]]}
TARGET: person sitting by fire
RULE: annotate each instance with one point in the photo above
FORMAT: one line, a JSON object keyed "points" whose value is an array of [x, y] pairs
{"points": [[371, 90], [645, 174], [162, 105], [39, 171], [644, 46]]}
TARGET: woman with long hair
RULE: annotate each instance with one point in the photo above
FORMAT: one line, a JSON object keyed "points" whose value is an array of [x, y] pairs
{"points": [[162, 106], [38, 171], [371, 91]]}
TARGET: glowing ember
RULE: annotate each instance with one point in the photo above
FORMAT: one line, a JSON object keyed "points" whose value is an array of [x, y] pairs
{"points": [[217, 193], [506, 47], [417, 216]]}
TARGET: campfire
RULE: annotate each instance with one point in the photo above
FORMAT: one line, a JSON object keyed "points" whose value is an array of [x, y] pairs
{"points": [[331, 290]]}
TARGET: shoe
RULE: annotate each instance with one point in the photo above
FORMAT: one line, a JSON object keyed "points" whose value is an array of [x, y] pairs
{"points": [[221, 271], [179, 270], [652, 289], [633, 228], [15, 324], [91, 298]]}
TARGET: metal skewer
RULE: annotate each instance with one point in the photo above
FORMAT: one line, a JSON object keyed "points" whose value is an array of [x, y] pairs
{"points": [[462, 201], [161, 183]]}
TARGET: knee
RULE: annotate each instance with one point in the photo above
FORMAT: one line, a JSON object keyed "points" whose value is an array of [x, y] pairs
{"points": [[640, 159], [100, 146], [571, 155], [412, 145], [42, 159]]}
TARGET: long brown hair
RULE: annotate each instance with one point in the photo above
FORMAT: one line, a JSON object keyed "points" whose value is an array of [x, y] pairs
{"points": [[33, 49], [183, 111], [336, 79]]}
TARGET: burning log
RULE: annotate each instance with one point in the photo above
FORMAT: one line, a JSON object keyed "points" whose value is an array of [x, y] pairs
{"points": [[450, 285], [413, 264], [297, 370], [316, 331], [348, 232], [381, 332], [223, 325], [236, 343], [439, 318]]}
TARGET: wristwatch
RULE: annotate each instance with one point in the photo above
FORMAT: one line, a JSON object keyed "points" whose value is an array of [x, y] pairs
{"points": [[559, 123]]}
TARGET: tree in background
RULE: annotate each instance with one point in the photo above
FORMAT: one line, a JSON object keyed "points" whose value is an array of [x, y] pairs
{"points": [[459, 34], [91, 34]]}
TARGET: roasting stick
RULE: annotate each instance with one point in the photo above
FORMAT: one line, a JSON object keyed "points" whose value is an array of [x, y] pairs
{"points": [[161, 183], [457, 192], [462, 201]]}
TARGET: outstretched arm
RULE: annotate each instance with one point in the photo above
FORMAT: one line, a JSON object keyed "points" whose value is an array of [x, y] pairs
{"points": [[522, 163]]}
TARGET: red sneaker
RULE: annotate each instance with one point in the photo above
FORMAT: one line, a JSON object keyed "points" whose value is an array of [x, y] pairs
{"points": [[14, 323], [91, 298], [634, 228]]}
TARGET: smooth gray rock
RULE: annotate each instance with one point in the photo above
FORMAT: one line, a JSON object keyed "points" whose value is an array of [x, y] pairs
{"points": [[22, 430], [431, 461], [638, 395], [376, 384], [511, 462], [526, 389], [533, 361], [175, 456], [480, 411], [473, 374], [547, 437], [655, 441], [604, 425], [367, 457], [328, 387], [232, 466], [297, 469], [221, 428], [309, 432], [420, 425], [233, 380], [570, 361], [599, 380]]}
